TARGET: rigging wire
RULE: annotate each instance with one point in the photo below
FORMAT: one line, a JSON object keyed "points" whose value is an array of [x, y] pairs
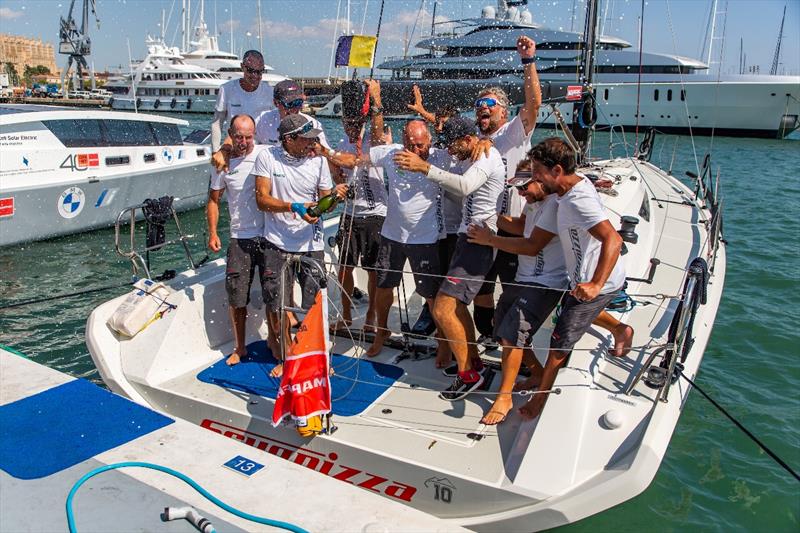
{"points": [[746, 431]]}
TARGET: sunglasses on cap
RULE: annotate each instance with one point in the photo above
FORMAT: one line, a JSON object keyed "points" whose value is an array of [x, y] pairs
{"points": [[252, 70], [486, 101], [297, 102], [522, 179], [305, 128]]}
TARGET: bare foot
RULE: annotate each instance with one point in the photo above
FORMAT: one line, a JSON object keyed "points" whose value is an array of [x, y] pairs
{"points": [[444, 357], [534, 407], [528, 383], [341, 325], [377, 344], [277, 371], [497, 413], [233, 359], [369, 326], [623, 339]]}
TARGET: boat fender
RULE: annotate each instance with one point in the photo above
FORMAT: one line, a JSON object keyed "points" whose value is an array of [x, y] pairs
{"points": [[111, 102], [157, 104], [190, 514], [173, 103], [138, 103], [189, 103], [146, 303]]}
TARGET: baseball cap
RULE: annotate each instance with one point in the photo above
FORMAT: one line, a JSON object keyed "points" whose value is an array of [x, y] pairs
{"points": [[300, 125], [287, 90], [456, 128]]}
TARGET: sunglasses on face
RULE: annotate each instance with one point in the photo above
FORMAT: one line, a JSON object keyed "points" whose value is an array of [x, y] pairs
{"points": [[527, 176], [252, 70], [298, 102], [486, 101]]}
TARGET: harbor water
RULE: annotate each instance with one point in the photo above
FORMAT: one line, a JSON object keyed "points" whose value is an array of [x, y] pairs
{"points": [[713, 478]]}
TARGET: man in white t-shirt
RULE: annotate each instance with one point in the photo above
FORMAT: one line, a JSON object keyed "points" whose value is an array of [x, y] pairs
{"points": [[512, 138], [413, 222], [246, 226], [288, 99], [290, 178], [591, 248], [247, 95], [359, 235], [480, 184]]}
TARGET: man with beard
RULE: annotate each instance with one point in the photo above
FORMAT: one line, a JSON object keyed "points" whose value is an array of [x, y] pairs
{"points": [[512, 138], [289, 180]]}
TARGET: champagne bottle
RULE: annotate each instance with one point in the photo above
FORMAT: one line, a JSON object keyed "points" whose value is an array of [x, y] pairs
{"points": [[325, 205]]}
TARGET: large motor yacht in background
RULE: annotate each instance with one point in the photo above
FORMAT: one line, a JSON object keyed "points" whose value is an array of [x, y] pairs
{"points": [[163, 81], [481, 51], [205, 53], [67, 170]]}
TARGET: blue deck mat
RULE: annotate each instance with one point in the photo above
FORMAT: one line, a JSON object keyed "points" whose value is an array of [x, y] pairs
{"points": [[349, 397], [58, 428]]}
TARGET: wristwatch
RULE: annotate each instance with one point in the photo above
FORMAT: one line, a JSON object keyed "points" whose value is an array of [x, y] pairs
{"points": [[376, 110]]}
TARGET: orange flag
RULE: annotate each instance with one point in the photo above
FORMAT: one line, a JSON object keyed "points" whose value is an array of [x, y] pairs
{"points": [[305, 389]]}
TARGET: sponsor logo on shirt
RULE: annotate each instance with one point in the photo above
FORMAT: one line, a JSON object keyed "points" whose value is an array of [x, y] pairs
{"points": [[575, 242]]}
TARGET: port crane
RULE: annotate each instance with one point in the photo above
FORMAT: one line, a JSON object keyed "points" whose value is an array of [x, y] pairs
{"points": [[75, 43]]}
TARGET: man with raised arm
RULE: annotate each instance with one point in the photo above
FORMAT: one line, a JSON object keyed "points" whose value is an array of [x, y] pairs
{"points": [[359, 235], [413, 222], [290, 178], [512, 138], [480, 184], [246, 226], [591, 248], [247, 95]]}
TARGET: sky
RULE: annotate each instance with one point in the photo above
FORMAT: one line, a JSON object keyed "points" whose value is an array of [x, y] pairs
{"points": [[298, 34]]}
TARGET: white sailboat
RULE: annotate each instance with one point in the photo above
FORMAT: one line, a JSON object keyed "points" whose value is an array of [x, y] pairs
{"points": [[598, 442]]}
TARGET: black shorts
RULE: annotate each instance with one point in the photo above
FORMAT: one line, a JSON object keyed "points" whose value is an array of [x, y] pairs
{"points": [[504, 267], [424, 260], [468, 268], [244, 256], [359, 238], [307, 275], [447, 247], [575, 319], [522, 311]]}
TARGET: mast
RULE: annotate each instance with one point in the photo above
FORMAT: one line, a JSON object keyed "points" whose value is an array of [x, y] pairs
{"points": [[581, 128], [260, 35], [183, 24], [776, 58], [713, 27]]}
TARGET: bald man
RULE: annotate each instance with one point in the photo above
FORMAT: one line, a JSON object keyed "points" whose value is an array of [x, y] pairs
{"points": [[413, 224], [246, 226]]}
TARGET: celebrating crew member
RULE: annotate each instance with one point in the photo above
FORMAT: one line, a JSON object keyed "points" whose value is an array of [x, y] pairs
{"points": [[480, 184], [591, 248], [288, 99], [359, 234], [512, 138], [289, 180], [247, 95], [246, 226]]}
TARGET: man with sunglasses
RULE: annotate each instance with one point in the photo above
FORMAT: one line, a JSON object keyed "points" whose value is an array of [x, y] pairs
{"points": [[480, 185], [512, 138], [288, 100], [289, 180], [247, 95]]}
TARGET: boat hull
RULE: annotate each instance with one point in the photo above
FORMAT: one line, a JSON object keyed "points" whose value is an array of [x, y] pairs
{"points": [[194, 104]]}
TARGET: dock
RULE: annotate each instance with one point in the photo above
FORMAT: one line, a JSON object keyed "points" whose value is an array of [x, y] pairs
{"points": [[58, 428], [94, 103]]}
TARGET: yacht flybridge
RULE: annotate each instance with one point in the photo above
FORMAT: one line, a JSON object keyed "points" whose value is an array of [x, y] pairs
{"points": [[204, 52], [480, 52], [164, 81]]}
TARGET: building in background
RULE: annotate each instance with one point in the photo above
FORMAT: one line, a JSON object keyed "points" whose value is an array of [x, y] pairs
{"points": [[20, 51]]}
